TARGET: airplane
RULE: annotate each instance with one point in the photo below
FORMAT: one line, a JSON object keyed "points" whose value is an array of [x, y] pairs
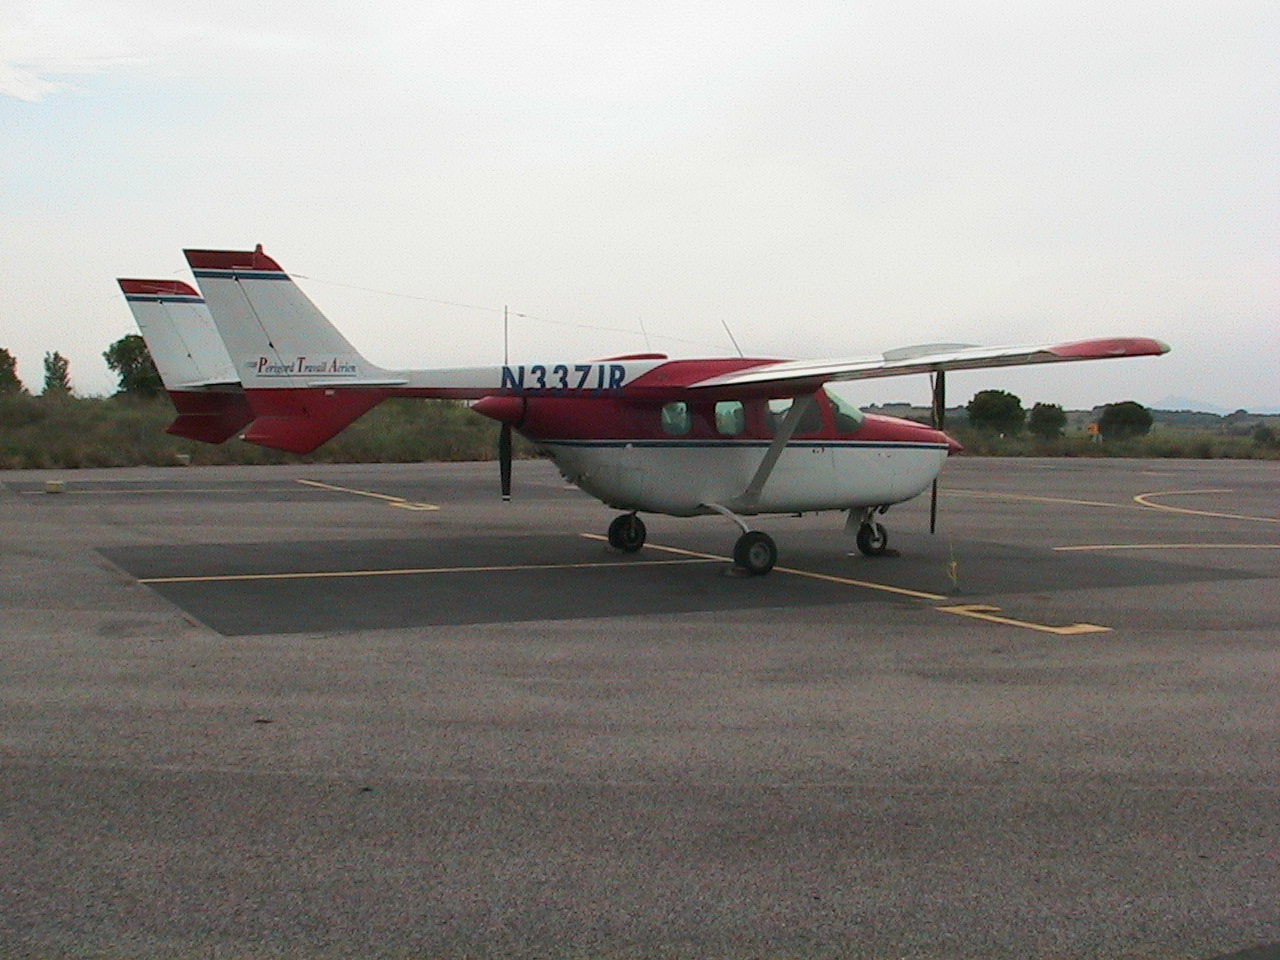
{"points": [[643, 433], [192, 361]]}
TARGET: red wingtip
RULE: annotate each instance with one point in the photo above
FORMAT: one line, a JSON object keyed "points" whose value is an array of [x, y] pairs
{"points": [[253, 259], [170, 288], [1111, 347]]}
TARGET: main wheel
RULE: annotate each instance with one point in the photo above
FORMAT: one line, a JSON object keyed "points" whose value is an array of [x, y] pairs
{"points": [[873, 539], [755, 552], [627, 533]]}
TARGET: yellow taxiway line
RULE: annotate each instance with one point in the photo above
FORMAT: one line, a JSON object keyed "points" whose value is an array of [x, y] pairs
{"points": [[407, 571], [973, 610], [400, 502], [1171, 546], [996, 495], [981, 611], [1145, 500]]}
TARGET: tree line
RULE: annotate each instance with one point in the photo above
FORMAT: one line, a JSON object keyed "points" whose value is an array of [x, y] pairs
{"points": [[1001, 412], [128, 358]]}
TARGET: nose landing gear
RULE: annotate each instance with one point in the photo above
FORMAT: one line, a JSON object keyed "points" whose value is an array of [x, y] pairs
{"points": [[872, 538]]}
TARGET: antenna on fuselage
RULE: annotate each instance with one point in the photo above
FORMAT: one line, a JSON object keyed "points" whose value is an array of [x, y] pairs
{"points": [[732, 338]]}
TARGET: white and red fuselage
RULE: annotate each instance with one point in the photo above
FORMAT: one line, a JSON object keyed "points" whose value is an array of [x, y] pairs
{"points": [[678, 456]]}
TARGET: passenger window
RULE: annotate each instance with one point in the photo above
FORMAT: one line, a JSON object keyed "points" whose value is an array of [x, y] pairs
{"points": [[731, 419], [675, 419], [777, 410]]}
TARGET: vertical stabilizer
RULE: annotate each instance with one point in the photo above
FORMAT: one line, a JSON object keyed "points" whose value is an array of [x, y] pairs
{"points": [[276, 336], [302, 377], [193, 363]]}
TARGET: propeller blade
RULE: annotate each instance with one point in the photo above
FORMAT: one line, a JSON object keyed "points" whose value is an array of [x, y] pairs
{"points": [[504, 459]]}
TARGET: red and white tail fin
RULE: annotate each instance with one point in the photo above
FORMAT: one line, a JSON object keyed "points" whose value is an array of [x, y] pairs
{"points": [[276, 336], [303, 378], [193, 363], [306, 382]]}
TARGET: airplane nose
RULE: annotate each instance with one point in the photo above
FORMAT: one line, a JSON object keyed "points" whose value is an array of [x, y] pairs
{"points": [[503, 409], [953, 445]]}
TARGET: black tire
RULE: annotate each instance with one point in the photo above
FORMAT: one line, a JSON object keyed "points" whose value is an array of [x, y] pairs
{"points": [[755, 552], [627, 533], [873, 539]]}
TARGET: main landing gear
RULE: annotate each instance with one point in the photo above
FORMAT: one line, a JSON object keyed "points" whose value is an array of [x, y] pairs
{"points": [[754, 553], [627, 533]]}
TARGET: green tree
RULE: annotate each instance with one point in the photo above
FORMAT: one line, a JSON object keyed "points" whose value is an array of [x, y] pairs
{"points": [[57, 375], [1125, 419], [131, 361], [996, 410], [10, 385], [1047, 420], [1263, 435]]}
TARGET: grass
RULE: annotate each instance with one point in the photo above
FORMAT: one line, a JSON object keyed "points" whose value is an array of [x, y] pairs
{"points": [[1160, 443], [39, 433]]}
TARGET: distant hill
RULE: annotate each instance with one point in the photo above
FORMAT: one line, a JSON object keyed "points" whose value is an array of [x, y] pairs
{"points": [[1200, 406]]}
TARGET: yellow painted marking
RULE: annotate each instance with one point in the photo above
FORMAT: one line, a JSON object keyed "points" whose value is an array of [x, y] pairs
{"points": [[980, 611], [847, 581], [1174, 546], [406, 571], [400, 502], [1145, 500], [991, 495], [975, 610], [146, 491], [902, 591]]}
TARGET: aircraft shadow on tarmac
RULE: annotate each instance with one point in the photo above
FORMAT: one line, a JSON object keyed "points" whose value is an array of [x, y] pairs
{"points": [[312, 586]]}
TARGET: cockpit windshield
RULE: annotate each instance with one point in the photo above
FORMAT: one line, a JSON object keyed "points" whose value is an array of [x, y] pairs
{"points": [[848, 418]]}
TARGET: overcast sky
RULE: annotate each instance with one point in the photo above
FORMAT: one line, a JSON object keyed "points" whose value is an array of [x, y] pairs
{"points": [[827, 179]]}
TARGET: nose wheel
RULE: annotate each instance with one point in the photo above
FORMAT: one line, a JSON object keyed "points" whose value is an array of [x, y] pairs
{"points": [[873, 539], [627, 533]]}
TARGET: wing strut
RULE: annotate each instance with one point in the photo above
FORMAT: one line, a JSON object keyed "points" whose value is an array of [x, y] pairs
{"points": [[786, 430]]}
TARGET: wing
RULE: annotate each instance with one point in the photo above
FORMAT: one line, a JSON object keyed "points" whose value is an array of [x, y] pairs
{"points": [[896, 363]]}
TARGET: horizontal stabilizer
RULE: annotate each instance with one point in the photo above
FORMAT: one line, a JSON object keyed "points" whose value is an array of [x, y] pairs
{"points": [[209, 417], [300, 420]]}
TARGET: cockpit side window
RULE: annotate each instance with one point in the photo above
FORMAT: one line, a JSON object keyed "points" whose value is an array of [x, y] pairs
{"points": [[776, 411]]}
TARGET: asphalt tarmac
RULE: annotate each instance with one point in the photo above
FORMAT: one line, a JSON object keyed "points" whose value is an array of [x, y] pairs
{"points": [[337, 711]]}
